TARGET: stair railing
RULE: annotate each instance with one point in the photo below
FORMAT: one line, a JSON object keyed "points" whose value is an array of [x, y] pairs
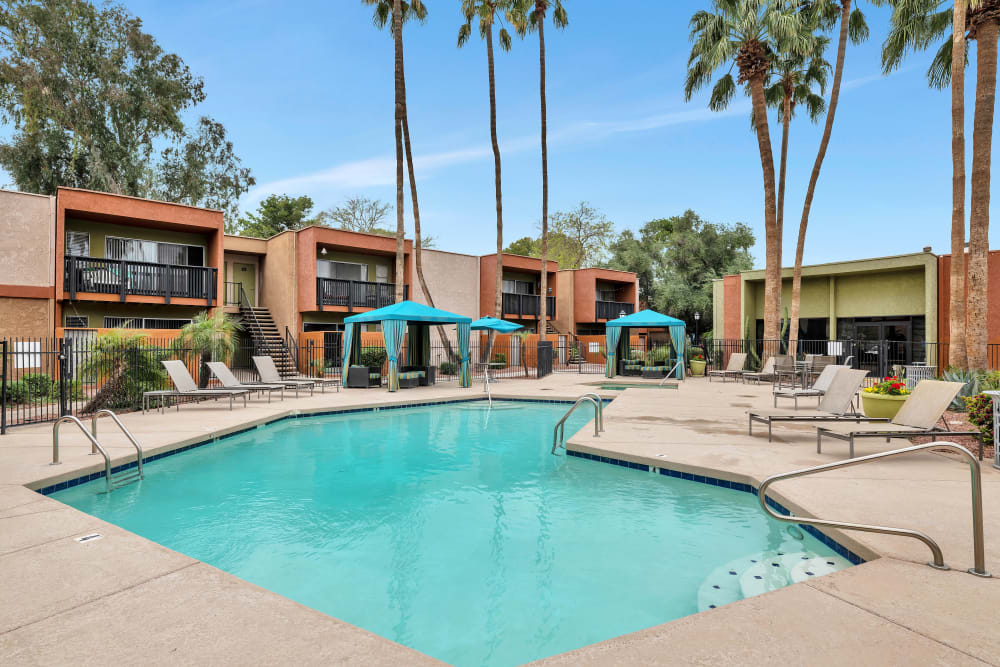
{"points": [[259, 343], [292, 348]]}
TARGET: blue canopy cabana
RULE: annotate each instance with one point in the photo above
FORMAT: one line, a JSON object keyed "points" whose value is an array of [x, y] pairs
{"points": [[394, 320], [644, 319], [500, 326]]}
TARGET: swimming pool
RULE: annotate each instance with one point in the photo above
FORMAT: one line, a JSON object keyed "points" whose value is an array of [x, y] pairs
{"points": [[451, 529]]}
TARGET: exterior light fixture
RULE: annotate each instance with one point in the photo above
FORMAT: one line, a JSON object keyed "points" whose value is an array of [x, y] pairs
{"points": [[621, 313], [322, 251]]}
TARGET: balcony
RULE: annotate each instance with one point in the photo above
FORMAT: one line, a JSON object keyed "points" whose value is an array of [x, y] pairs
{"points": [[527, 305], [356, 293], [126, 278], [612, 310]]}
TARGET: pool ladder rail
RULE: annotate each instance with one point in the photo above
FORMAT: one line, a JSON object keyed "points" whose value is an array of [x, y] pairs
{"points": [[937, 562], [112, 481], [559, 432]]}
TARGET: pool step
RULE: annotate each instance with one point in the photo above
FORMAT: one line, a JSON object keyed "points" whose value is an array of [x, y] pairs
{"points": [[763, 572], [124, 478]]}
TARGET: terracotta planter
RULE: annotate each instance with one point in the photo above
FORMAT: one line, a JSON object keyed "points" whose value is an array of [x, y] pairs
{"points": [[697, 367], [881, 406]]}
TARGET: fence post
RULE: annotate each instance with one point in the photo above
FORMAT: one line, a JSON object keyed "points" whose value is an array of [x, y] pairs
{"points": [[64, 351], [3, 387]]}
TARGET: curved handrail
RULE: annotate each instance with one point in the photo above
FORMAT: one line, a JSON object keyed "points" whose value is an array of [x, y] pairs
{"points": [[93, 443], [977, 504], [667, 376], [559, 432], [128, 434], [600, 407]]}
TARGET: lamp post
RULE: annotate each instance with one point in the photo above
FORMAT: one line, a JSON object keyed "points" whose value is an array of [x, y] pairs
{"points": [[697, 317], [621, 313]]}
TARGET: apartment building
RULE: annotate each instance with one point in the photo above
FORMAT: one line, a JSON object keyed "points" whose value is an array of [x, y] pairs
{"points": [[590, 297], [521, 297]]}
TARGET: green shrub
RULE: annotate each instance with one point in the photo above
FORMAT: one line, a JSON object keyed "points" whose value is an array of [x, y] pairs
{"points": [[660, 354], [74, 391], [448, 368], [500, 358], [373, 356], [17, 392], [990, 381], [981, 415], [38, 384]]}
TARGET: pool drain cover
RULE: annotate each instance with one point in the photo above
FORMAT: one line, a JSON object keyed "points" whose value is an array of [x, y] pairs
{"points": [[88, 538]]}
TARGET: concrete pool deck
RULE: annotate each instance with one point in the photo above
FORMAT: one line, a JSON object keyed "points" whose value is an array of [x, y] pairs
{"points": [[125, 598]]}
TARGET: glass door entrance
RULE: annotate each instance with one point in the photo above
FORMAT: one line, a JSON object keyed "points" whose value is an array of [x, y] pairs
{"points": [[882, 345]]}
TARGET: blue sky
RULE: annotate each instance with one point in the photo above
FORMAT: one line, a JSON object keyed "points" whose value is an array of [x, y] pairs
{"points": [[305, 90]]}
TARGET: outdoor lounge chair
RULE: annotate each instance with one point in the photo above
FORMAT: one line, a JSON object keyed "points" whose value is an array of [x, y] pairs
{"points": [[734, 369], [268, 373], [834, 406], [817, 389], [186, 386], [766, 373], [229, 381], [918, 416]]}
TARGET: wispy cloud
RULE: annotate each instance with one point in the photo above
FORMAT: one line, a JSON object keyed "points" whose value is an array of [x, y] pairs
{"points": [[381, 171]]}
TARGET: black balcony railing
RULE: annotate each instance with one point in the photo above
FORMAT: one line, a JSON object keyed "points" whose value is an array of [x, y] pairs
{"points": [[527, 305], [356, 293], [125, 277], [612, 310]]}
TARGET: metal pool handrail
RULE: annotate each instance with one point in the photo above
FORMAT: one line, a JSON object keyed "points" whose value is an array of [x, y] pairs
{"points": [[979, 568], [559, 432], [600, 407], [667, 376], [93, 442], [128, 434]]}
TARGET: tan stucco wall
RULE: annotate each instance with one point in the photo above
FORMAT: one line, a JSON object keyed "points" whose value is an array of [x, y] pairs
{"points": [[453, 281], [565, 300], [26, 317], [277, 280], [27, 254]]}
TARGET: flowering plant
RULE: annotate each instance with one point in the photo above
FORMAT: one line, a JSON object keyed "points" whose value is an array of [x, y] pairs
{"points": [[697, 356], [889, 386], [981, 415]]}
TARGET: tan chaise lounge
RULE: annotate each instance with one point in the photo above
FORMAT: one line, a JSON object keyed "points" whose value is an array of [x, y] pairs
{"points": [[734, 369], [186, 386], [268, 373], [834, 406], [767, 371], [818, 388], [229, 381], [918, 416]]}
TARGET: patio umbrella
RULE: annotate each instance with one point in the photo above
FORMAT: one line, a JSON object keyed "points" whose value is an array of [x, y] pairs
{"points": [[500, 326]]}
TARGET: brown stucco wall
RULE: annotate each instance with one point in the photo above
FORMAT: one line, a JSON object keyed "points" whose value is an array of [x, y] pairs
{"points": [[565, 311], [515, 267], [278, 287], [585, 282], [731, 319], [27, 258], [993, 297], [34, 318]]}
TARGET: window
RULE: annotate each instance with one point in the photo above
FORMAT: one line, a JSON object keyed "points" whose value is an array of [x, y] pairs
{"points": [[143, 323], [605, 294], [341, 270], [518, 287], [138, 250], [78, 244], [381, 273], [77, 321]]}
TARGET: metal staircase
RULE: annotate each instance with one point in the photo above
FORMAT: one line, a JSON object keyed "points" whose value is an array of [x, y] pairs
{"points": [[264, 334]]}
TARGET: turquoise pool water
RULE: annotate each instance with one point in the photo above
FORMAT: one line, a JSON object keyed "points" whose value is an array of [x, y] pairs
{"points": [[451, 529]]}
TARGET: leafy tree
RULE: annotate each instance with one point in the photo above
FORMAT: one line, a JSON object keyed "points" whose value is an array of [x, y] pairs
{"points": [[746, 34], [583, 234], [534, 19], [677, 258], [917, 25], [210, 337], [277, 213], [87, 96], [525, 245], [357, 214]]}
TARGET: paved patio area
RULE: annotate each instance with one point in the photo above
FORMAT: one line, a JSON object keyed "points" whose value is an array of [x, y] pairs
{"points": [[125, 598]]}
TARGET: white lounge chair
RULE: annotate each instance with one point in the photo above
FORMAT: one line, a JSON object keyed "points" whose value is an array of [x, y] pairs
{"points": [[834, 406], [186, 387], [818, 388], [918, 416], [229, 381], [734, 369]]}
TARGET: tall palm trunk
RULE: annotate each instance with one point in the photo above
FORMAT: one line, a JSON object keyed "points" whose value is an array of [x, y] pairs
{"points": [[772, 237], [417, 243], [544, 306], [979, 215], [838, 73], [498, 300], [397, 33], [786, 120], [956, 306]]}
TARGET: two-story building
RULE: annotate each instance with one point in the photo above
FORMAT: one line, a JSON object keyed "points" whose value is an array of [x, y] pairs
{"points": [[590, 297], [521, 289]]}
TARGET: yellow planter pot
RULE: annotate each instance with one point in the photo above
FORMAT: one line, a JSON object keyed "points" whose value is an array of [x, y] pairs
{"points": [[697, 367], [881, 406]]}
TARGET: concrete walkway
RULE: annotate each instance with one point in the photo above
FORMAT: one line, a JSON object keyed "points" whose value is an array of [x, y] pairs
{"points": [[125, 598]]}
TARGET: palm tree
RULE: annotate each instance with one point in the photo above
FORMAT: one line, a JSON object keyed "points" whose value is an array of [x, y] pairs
{"points": [[916, 24], [536, 21], [488, 12], [746, 34], [795, 76], [211, 336], [382, 14]]}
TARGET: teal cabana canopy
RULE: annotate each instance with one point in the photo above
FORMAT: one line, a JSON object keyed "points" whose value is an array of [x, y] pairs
{"points": [[394, 320], [500, 326], [644, 319]]}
